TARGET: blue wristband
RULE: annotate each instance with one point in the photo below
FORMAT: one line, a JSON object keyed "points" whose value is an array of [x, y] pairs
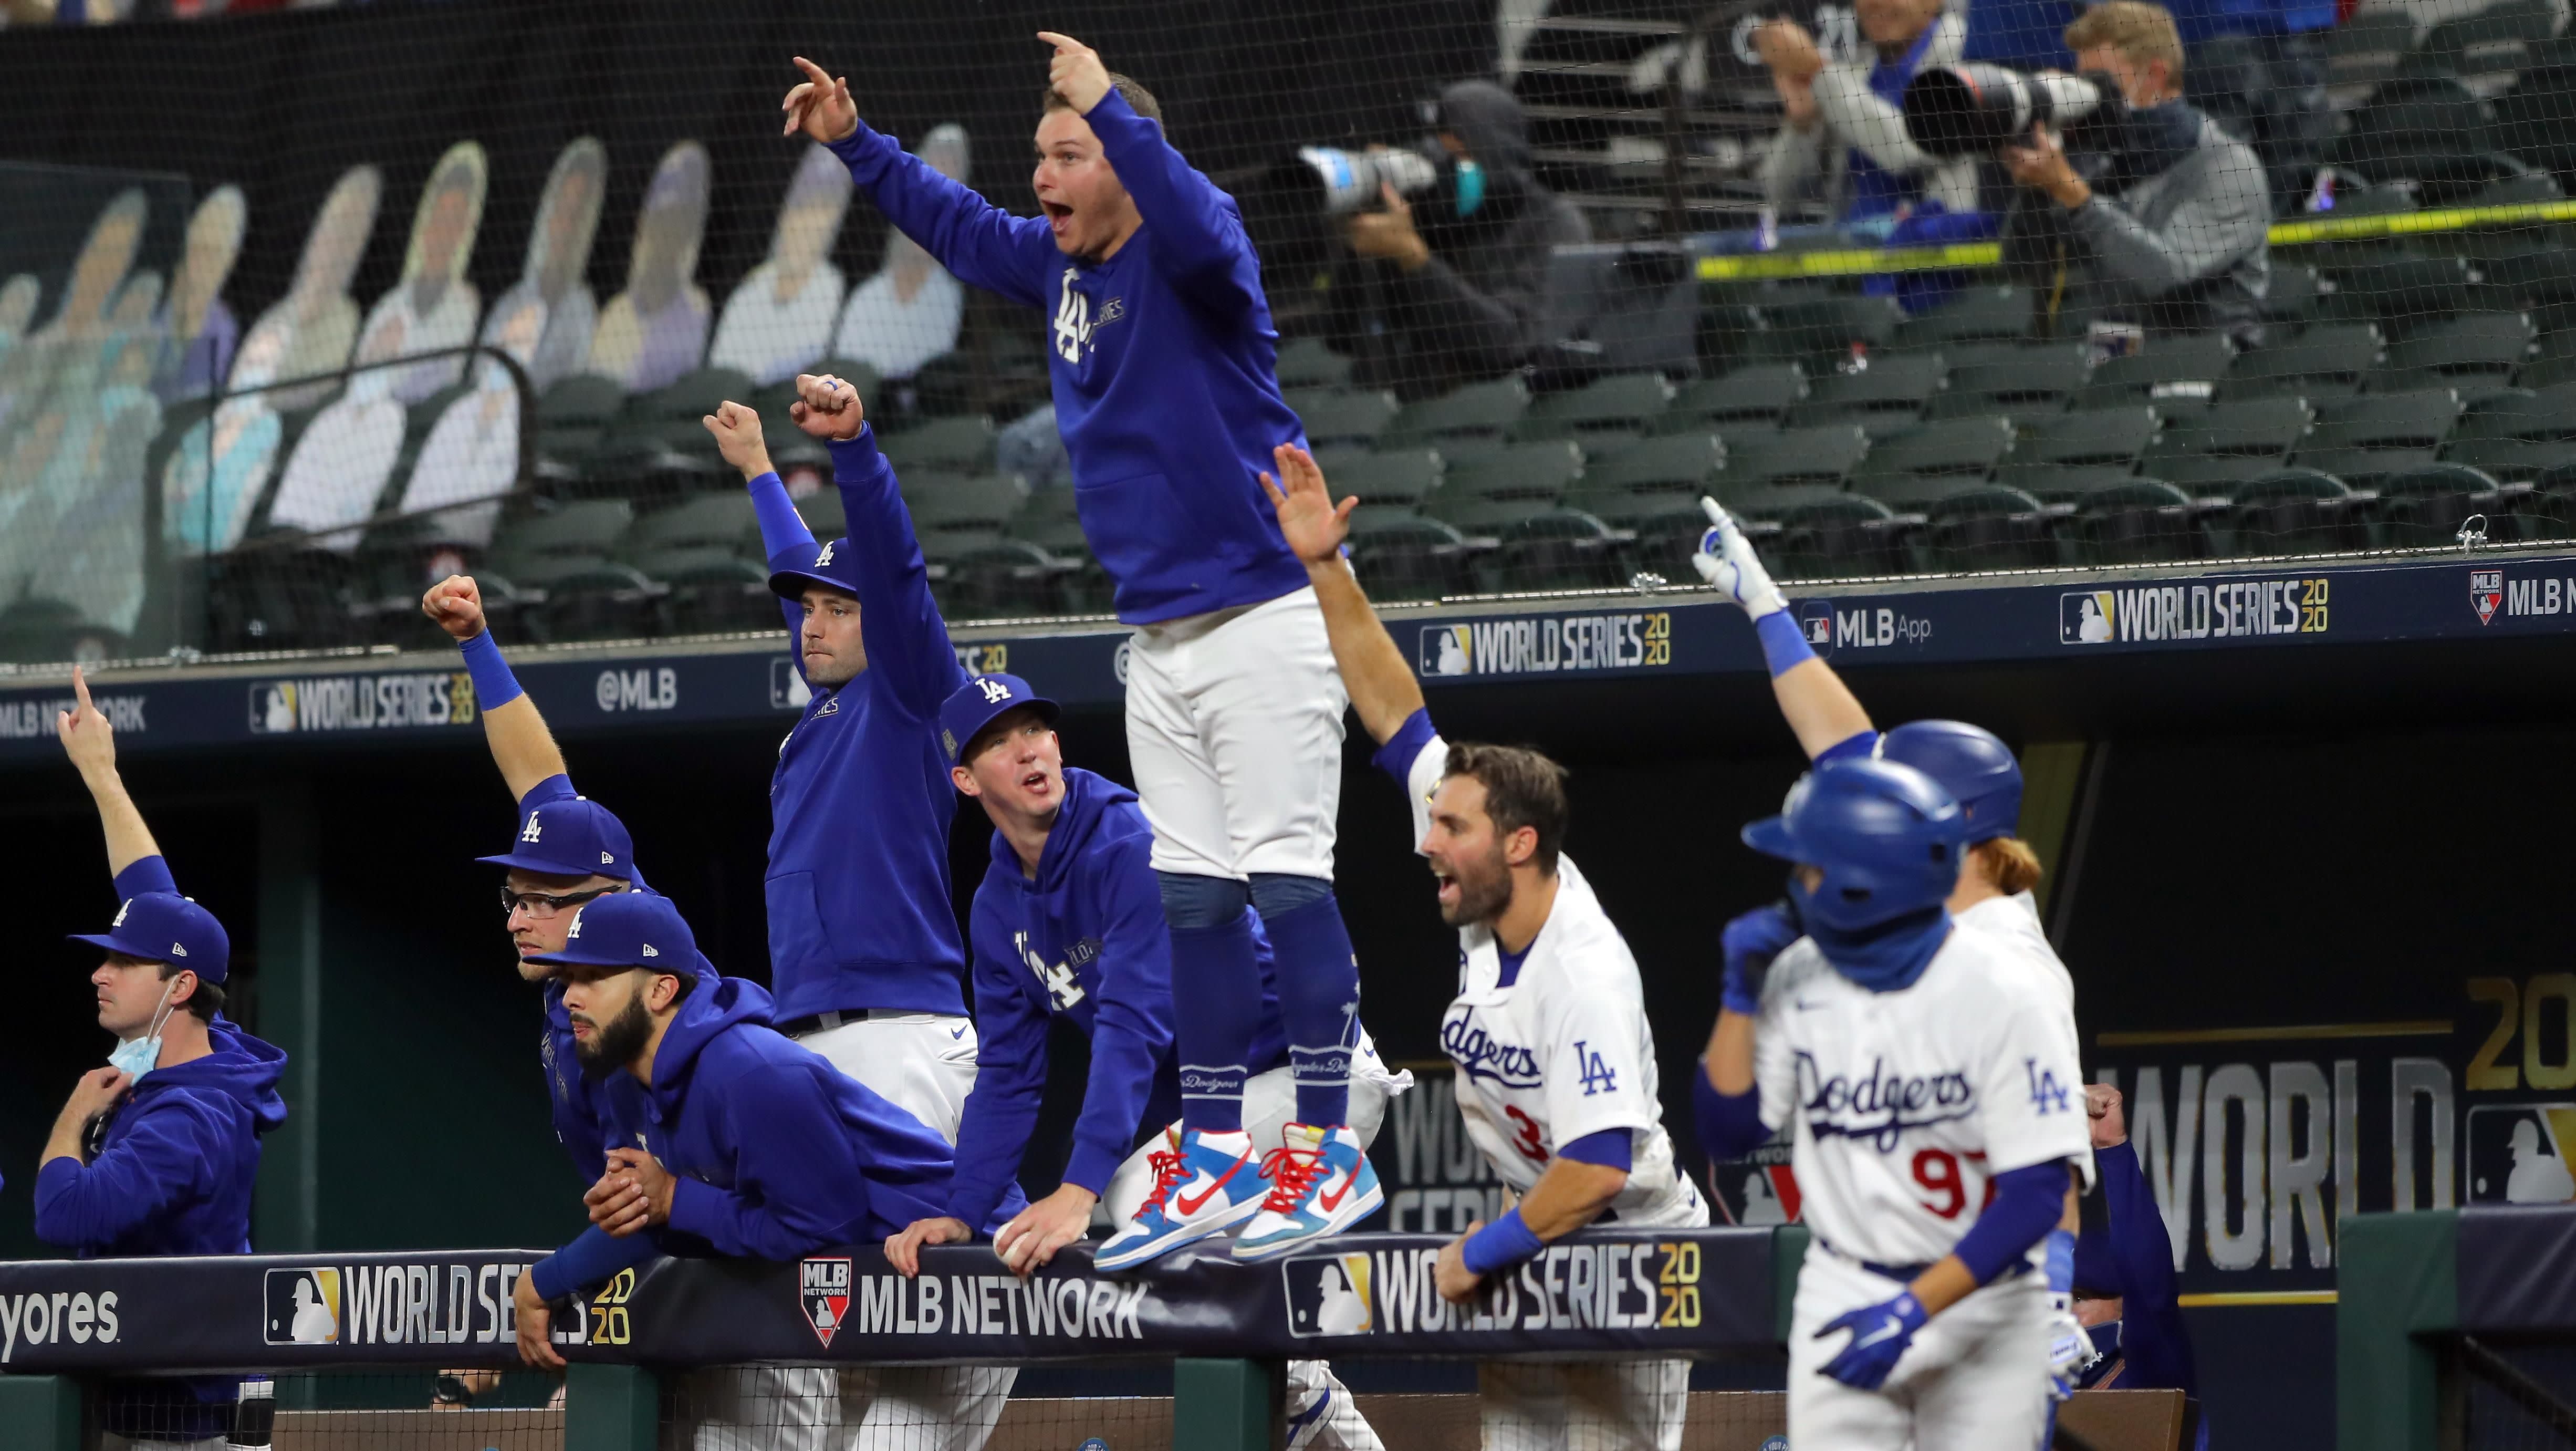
{"points": [[1784, 644], [2060, 1256], [1501, 1245], [494, 685]]}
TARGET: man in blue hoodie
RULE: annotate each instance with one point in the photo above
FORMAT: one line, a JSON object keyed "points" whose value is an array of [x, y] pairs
{"points": [[1068, 924], [156, 1153], [865, 958], [732, 1141], [1163, 361]]}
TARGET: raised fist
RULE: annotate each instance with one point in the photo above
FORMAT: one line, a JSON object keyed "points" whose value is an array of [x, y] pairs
{"points": [[827, 408], [455, 605]]}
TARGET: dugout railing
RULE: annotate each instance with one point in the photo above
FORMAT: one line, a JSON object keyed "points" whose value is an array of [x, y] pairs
{"points": [[353, 1344], [2455, 1330]]}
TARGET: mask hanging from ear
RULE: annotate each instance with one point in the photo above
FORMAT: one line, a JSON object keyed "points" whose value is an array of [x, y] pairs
{"points": [[138, 1056]]}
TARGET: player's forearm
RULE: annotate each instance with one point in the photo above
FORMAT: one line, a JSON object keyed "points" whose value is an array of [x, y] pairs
{"points": [[1945, 1284], [1819, 707], [1186, 211], [119, 819], [899, 619], [1570, 1195], [521, 745], [1728, 1062], [1382, 686]]}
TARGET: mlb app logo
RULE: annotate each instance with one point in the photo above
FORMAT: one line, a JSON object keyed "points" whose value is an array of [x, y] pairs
{"points": [[303, 1307], [1816, 622], [2486, 591], [1447, 650], [272, 707], [823, 1289], [2085, 618], [1329, 1295]]}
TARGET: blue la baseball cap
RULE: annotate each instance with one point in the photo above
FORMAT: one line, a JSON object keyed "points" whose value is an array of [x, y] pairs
{"points": [[571, 837], [628, 929], [166, 927], [834, 566], [974, 704]]}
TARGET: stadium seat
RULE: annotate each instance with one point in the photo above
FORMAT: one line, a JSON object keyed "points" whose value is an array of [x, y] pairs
{"points": [[1760, 394], [2294, 295], [2524, 413], [2402, 294], [676, 411], [1400, 555], [709, 587], [963, 443], [2328, 361], [1990, 526], [1484, 494], [2531, 119], [2171, 372], [821, 510], [1403, 480], [2040, 380], [2480, 351], [1562, 549], [723, 521], [2552, 363], [952, 513], [2368, 48], [1683, 463], [2139, 521], [2229, 443], [1007, 579], [2514, 459], [1983, 313], [2295, 511], [1897, 384], [2405, 116], [1960, 451], [2068, 485], [2102, 438], [562, 563], [1842, 534], [2502, 37], [573, 419], [1334, 416], [2361, 438], [1824, 455], [2426, 507], [1472, 419], [1621, 403], [1822, 331], [1308, 363]]}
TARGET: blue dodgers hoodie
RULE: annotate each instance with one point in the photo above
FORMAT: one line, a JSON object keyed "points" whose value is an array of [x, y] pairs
{"points": [[860, 805], [777, 1153], [1163, 361], [1084, 941]]}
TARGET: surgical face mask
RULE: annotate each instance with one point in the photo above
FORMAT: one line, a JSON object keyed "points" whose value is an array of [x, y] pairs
{"points": [[137, 1056]]}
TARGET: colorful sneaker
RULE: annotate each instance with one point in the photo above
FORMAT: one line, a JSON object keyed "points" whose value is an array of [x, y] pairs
{"points": [[1321, 1184], [1199, 1190]]}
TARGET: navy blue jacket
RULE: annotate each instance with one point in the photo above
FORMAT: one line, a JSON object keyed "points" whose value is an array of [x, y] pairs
{"points": [[2148, 1348], [776, 1152], [1163, 359], [1084, 941], [860, 805]]}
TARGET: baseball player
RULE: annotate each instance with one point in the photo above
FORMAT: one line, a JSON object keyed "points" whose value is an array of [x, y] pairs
{"points": [[155, 1154], [1934, 1113], [1068, 925], [1556, 1062], [730, 1141], [1978, 770], [1163, 363], [864, 953]]}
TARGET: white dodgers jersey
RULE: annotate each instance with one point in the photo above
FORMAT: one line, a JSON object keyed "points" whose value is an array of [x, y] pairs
{"points": [[1903, 1106], [1562, 1051]]}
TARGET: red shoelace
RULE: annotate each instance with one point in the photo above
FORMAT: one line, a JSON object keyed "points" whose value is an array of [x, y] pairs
{"points": [[1168, 1175], [1291, 1173]]}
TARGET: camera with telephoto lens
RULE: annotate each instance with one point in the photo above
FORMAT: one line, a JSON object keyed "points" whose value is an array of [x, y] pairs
{"points": [[1974, 109], [1339, 182]]}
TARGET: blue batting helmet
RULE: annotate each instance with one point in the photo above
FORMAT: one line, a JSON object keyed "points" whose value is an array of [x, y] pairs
{"points": [[1886, 836], [1971, 763]]}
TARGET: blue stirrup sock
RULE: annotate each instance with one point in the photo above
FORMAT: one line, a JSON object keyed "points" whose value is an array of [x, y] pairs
{"points": [[1319, 990], [1216, 996]]}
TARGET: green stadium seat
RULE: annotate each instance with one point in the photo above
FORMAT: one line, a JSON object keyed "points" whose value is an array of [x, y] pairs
{"points": [[2514, 459], [2402, 294], [1333, 416], [1484, 494], [1958, 451], [1404, 479], [1894, 385], [955, 512], [1844, 534], [1822, 331], [2361, 438], [2552, 363], [1474, 419], [1009, 579], [2103, 437], [1308, 363], [2477, 352], [1400, 555], [2069, 484], [2040, 380], [2174, 373], [1823, 455], [1762, 393], [1982, 313], [1562, 549], [2139, 521], [2368, 48], [822, 512], [1991, 527], [2521, 413], [2229, 443], [2295, 511], [2426, 507], [573, 422], [2328, 361], [1050, 521], [722, 521], [1621, 403], [960, 442], [1679, 463]]}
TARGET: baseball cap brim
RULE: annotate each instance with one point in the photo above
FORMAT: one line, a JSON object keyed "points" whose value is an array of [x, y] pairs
{"points": [[575, 957], [1771, 837], [791, 584], [550, 866], [112, 943]]}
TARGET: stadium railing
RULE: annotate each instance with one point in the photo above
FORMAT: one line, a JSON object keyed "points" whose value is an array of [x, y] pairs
{"points": [[2456, 1329]]}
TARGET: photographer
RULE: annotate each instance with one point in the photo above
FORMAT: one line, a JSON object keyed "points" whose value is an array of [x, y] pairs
{"points": [[1843, 117], [2171, 227], [1466, 262]]}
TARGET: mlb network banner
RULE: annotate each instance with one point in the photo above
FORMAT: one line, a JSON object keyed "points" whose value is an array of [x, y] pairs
{"points": [[410, 699], [1674, 1293]]}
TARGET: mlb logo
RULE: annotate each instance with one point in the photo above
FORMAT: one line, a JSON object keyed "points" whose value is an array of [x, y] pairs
{"points": [[1816, 622], [787, 689], [303, 1307], [1329, 1295], [1447, 650], [2518, 1153], [2085, 618], [272, 707], [823, 1290], [2486, 591]]}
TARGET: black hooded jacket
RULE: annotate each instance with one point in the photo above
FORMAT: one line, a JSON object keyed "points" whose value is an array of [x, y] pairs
{"points": [[1478, 307]]}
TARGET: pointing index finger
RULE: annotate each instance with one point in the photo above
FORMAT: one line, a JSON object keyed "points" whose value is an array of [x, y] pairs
{"points": [[1060, 42], [813, 72], [80, 688]]}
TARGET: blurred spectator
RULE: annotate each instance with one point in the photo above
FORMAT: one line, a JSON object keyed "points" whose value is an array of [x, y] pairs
{"points": [[2260, 67], [215, 476], [558, 258], [656, 330], [1465, 263], [1843, 118], [779, 320], [2171, 230], [434, 302], [19, 297], [202, 333], [472, 455], [341, 461], [317, 321], [909, 312]]}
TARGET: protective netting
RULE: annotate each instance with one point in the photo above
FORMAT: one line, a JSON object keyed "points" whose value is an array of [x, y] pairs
{"points": [[362, 1411], [327, 304], [2509, 1394]]}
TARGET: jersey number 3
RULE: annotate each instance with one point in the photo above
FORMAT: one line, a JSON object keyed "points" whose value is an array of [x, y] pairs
{"points": [[1528, 1144]]}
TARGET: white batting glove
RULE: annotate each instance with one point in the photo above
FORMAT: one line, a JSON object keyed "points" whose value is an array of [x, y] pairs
{"points": [[2070, 1353], [1727, 561]]}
